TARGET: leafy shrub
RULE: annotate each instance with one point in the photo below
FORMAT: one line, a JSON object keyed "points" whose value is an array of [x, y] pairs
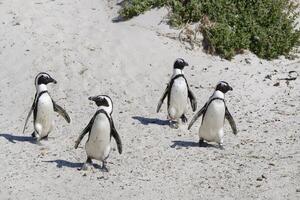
{"points": [[265, 27]]}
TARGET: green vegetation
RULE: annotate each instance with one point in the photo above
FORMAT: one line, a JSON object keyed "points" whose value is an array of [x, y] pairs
{"points": [[265, 27]]}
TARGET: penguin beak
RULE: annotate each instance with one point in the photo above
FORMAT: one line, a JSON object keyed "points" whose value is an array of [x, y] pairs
{"points": [[186, 64], [230, 88], [91, 98], [52, 80]]}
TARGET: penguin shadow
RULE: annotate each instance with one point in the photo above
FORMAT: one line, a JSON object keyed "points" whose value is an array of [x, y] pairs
{"points": [[18, 138], [64, 163], [180, 143], [147, 121]]}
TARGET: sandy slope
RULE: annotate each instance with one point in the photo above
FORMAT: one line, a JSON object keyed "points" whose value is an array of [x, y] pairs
{"points": [[79, 45]]}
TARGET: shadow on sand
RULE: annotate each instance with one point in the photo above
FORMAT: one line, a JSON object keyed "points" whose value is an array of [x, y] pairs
{"points": [[147, 121], [19, 138], [180, 143], [119, 18], [65, 163]]}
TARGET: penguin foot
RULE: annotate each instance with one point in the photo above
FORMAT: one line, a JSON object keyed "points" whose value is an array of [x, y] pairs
{"points": [[33, 135], [202, 143], [183, 118], [104, 167], [84, 167], [174, 124], [87, 163], [44, 138], [221, 147]]}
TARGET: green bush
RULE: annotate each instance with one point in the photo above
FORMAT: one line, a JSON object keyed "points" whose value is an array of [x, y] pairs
{"points": [[265, 27]]}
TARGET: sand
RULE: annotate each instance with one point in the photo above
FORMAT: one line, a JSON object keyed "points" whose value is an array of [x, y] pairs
{"points": [[78, 43]]}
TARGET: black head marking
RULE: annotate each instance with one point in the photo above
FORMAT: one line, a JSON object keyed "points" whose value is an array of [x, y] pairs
{"points": [[223, 87], [44, 78], [180, 63], [100, 100]]}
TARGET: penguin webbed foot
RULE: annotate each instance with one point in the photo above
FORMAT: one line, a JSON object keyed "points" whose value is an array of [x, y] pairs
{"points": [[83, 168], [221, 147], [174, 124], [202, 143], [33, 135], [45, 137], [104, 167], [183, 118], [87, 163]]}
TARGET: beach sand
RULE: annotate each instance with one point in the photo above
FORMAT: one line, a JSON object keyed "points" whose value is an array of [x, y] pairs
{"points": [[78, 43]]}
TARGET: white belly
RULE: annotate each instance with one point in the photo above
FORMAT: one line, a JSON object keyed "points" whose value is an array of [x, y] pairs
{"points": [[178, 98], [212, 125], [44, 118], [98, 145]]}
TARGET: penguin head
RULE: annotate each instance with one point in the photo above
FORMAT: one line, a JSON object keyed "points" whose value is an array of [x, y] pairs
{"points": [[223, 87], [44, 78], [180, 63], [103, 101]]}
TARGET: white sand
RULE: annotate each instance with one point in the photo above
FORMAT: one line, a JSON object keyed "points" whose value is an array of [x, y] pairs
{"points": [[77, 43]]}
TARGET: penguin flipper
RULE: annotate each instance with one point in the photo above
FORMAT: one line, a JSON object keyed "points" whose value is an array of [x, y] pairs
{"points": [[192, 100], [161, 100], [230, 120], [61, 111], [116, 136], [86, 130], [29, 114], [197, 115]]}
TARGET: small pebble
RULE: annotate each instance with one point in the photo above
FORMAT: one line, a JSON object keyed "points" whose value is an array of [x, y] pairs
{"points": [[272, 164]]}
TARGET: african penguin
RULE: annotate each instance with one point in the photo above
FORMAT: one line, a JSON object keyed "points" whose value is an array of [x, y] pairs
{"points": [[214, 113], [43, 108], [178, 93], [100, 128]]}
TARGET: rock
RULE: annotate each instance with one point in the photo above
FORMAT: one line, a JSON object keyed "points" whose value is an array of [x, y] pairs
{"points": [[276, 84], [248, 60], [268, 77], [272, 164]]}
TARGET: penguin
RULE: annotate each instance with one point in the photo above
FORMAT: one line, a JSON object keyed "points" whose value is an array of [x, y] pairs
{"points": [[43, 108], [100, 128], [214, 113], [178, 93]]}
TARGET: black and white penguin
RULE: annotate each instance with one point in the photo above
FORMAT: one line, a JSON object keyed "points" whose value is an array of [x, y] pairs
{"points": [[178, 93], [100, 128], [43, 108], [214, 113]]}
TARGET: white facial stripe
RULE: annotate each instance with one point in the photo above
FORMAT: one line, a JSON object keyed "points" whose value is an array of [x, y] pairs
{"points": [[222, 83], [180, 60]]}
